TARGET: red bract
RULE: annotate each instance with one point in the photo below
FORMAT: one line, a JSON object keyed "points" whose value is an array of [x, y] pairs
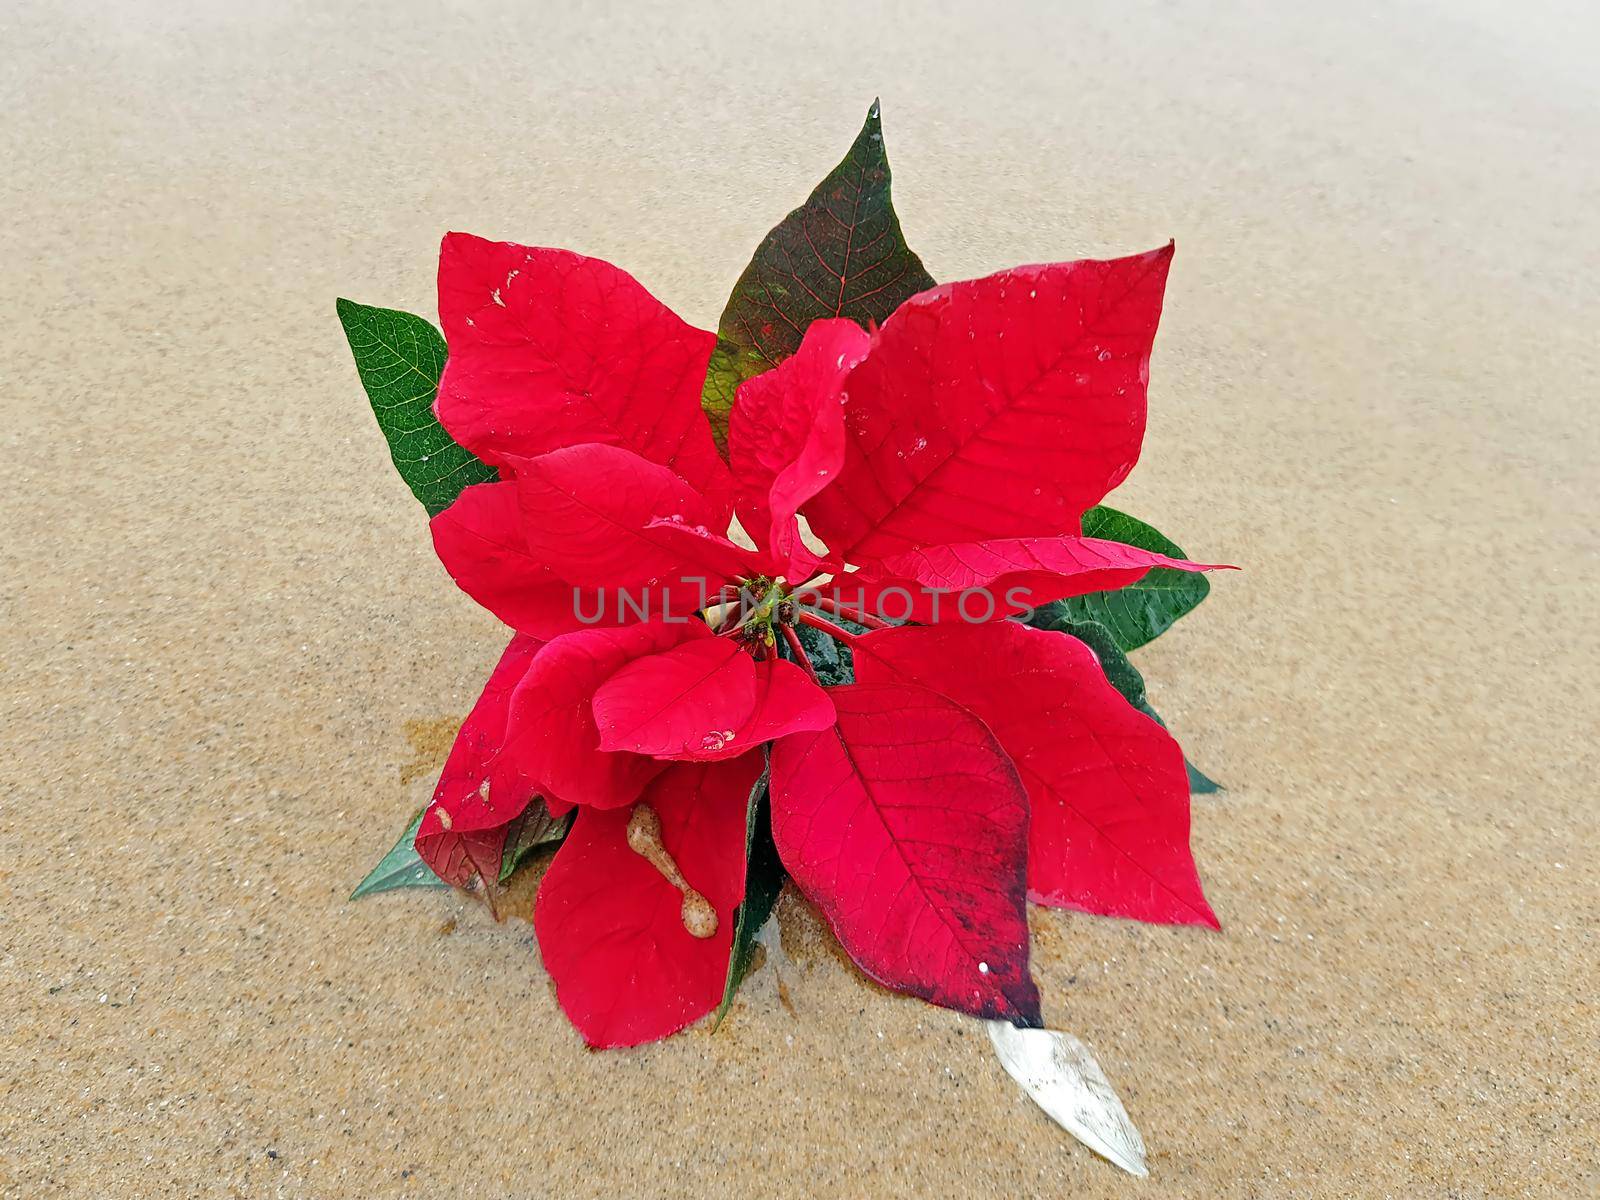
{"points": [[551, 349], [1002, 407], [907, 824], [635, 916], [464, 832], [1110, 799], [953, 450], [977, 581]]}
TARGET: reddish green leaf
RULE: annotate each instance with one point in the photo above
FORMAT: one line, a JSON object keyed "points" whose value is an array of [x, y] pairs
{"points": [[840, 254]]}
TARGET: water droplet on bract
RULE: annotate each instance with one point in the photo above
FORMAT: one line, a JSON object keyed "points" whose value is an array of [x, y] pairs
{"points": [[1033, 295], [920, 444], [1104, 356], [1036, 491], [1083, 379], [840, 363], [983, 968]]}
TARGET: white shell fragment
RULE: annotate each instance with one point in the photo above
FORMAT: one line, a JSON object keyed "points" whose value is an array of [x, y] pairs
{"points": [[1062, 1076]]}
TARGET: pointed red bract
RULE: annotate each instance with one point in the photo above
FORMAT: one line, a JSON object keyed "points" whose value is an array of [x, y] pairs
{"points": [[1107, 786], [907, 826], [707, 554], [613, 928], [591, 513], [480, 541], [983, 581], [552, 743], [998, 407], [550, 349], [464, 830], [691, 697], [787, 701], [786, 438]]}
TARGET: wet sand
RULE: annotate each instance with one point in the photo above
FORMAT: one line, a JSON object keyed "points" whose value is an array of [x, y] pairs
{"points": [[220, 616]]}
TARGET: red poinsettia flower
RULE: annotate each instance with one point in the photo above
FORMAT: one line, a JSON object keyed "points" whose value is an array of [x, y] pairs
{"points": [[942, 463]]}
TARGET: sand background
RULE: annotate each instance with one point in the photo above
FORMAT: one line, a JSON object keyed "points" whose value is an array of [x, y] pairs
{"points": [[1375, 388]]}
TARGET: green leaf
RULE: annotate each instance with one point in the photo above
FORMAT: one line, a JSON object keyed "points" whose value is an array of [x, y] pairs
{"points": [[534, 829], [730, 366], [1200, 784], [400, 358], [763, 881], [1143, 611], [400, 868], [840, 254], [1120, 674], [832, 660]]}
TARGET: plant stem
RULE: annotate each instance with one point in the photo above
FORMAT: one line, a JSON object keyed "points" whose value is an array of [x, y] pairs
{"points": [[807, 617], [799, 652], [850, 614]]}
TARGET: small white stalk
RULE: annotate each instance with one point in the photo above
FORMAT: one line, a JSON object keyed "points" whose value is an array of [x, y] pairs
{"points": [[1062, 1076]]}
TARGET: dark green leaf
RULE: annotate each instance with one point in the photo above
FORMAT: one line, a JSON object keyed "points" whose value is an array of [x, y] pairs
{"points": [[400, 868], [1120, 674], [763, 880], [831, 659], [534, 829], [400, 358], [840, 254], [1140, 612], [1200, 784]]}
